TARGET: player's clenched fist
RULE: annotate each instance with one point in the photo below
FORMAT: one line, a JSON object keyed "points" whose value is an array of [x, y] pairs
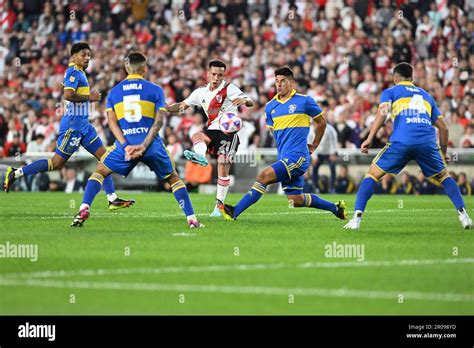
{"points": [[364, 148], [95, 95]]}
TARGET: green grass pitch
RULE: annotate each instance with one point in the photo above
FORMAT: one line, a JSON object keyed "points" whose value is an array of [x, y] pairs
{"points": [[272, 260]]}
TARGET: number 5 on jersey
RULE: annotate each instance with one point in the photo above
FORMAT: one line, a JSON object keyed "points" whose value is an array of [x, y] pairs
{"points": [[132, 108]]}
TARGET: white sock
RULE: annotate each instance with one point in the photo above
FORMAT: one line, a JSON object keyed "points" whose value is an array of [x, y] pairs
{"points": [[200, 147], [111, 197], [191, 218], [18, 173], [223, 183], [357, 213], [84, 206]]}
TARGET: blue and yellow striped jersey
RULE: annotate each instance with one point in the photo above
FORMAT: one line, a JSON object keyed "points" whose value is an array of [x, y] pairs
{"points": [[75, 78], [414, 113], [135, 101], [290, 121]]}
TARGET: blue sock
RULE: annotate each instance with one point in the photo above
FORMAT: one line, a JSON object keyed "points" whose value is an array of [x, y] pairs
{"points": [[182, 196], [313, 201], [94, 184], [366, 190], [452, 190], [257, 190], [38, 166], [109, 185]]}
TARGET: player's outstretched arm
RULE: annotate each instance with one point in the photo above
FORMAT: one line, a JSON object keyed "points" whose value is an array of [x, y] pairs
{"points": [[382, 113], [443, 137], [244, 100], [320, 124], [177, 108]]}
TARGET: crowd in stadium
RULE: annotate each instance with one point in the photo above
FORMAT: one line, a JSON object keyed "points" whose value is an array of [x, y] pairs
{"points": [[340, 52]]}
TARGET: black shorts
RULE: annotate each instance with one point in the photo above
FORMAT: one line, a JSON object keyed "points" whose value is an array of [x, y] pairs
{"points": [[222, 144]]}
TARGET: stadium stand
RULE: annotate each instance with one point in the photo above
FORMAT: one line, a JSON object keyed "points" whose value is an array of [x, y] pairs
{"points": [[340, 51]]}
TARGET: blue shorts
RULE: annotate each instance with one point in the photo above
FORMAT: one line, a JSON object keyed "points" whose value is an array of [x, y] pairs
{"points": [[70, 139], [290, 170], [394, 157], [156, 158]]}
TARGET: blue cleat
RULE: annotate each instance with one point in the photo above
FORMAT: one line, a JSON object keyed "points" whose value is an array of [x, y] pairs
{"points": [[217, 212], [196, 158]]}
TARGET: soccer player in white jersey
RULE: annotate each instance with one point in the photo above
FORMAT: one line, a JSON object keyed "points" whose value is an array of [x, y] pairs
{"points": [[215, 98]]}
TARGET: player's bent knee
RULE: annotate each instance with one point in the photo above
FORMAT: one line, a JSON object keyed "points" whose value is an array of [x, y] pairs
{"points": [[441, 176], [264, 177], [102, 170], [58, 162], [100, 152], [375, 173], [172, 178]]}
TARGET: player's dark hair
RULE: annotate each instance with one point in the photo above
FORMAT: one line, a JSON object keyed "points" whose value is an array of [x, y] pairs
{"points": [[78, 46], [285, 71], [136, 58], [403, 69], [217, 64]]}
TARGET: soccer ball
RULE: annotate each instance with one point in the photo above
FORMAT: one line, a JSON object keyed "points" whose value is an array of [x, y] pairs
{"points": [[230, 123]]}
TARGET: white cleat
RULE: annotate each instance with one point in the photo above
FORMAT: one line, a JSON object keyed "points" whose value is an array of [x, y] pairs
{"points": [[195, 224], [465, 221], [353, 224]]}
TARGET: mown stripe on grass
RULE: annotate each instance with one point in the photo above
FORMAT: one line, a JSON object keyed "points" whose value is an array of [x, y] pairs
{"points": [[128, 215], [237, 267], [252, 290]]}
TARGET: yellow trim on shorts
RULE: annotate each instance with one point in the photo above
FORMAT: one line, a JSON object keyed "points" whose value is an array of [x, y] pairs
{"points": [[65, 140], [385, 148], [104, 156], [286, 167]]}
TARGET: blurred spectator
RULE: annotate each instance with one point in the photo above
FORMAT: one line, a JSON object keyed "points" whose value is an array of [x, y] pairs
{"points": [[464, 185], [14, 147], [467, 140], [71, 184], [456, 130], [344, 183], [174, 147], [37, 145], [387, 185], [326, 152], [423, 186], [405, 186]]}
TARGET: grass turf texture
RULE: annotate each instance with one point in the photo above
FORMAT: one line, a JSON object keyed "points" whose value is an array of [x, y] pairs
{"points": [[168, 260]]}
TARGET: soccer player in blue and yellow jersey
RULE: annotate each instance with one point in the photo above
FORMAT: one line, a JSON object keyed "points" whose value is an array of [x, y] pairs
{"points": [[136, 110], [415, 116], [75, 129], [289, 116]]}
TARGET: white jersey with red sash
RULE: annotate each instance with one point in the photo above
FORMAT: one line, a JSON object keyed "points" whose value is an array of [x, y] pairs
{"points": [[216, 102]]}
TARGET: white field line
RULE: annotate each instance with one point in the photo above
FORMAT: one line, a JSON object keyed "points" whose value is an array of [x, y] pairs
{"points": [[238, 267], [180, 215], [255, 290]]}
